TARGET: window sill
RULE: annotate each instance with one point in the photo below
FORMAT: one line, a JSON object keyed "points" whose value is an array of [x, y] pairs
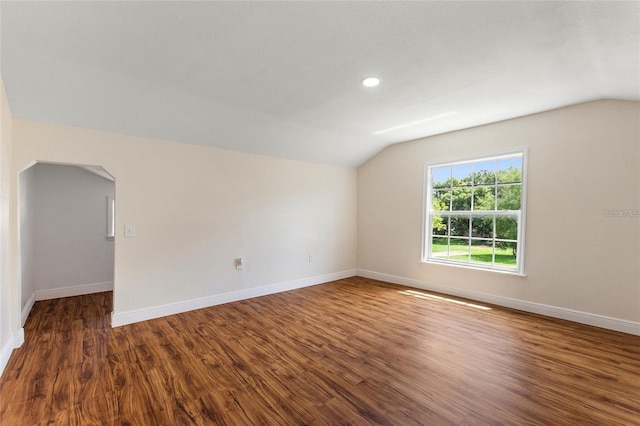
{"points": [[477, 268]]}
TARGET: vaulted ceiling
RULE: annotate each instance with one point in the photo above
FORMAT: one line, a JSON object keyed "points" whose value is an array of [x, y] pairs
{"points": [[283, 78]]}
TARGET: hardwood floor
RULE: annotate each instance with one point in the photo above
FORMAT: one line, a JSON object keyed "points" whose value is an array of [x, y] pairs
{"points": [[355, 351]]}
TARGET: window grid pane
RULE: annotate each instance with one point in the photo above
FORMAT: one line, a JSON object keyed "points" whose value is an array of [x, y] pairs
{"points": [[482, 201]]}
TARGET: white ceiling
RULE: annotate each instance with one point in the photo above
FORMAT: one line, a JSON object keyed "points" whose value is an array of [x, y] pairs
{"points": [[283, 78]]}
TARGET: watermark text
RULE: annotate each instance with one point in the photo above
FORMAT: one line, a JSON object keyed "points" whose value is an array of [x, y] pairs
{"points": [[621, 213]]}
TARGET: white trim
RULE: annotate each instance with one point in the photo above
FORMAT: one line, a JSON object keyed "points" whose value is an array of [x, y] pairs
{"points": [[428, 212], [489, 155], [27, 307], [123, 318], [76, 290], [15, 341], [5, 354], [522, 220], [471, 266], [617, 324], [18, 338]]}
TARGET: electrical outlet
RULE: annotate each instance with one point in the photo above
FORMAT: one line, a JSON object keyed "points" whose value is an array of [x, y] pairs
{"points": [[129, 231], [311, 258], [239, 264]]}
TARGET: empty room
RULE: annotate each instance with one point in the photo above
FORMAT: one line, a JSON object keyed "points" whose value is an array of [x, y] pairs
{"points": [[319, 213]]}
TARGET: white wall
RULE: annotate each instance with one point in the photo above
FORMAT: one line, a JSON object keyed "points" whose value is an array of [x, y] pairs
{"points": [[583, 159], [197, 208], [69, 218], [7, 304], [27, 213]]}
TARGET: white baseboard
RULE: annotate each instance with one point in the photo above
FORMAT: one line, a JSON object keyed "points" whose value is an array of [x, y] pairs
{"points": [[5, 354], [18, 338], [123, 318], [27, 308], [14, 341], [76, 290], [602, 321]]}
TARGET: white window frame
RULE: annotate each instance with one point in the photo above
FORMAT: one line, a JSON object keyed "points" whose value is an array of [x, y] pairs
{"points": [[428, 213]]}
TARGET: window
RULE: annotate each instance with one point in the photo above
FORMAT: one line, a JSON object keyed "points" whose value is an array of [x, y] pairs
{"points": [[474, 213]]}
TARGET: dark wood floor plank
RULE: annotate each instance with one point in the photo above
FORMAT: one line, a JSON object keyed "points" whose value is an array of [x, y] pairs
{"points": [[355, 351]]}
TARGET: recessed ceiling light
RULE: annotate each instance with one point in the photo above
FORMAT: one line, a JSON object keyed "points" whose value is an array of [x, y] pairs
{"points": [[370, 82]]}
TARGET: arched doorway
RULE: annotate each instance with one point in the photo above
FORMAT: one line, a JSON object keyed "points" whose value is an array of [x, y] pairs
{"points": [[66, 240]]}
